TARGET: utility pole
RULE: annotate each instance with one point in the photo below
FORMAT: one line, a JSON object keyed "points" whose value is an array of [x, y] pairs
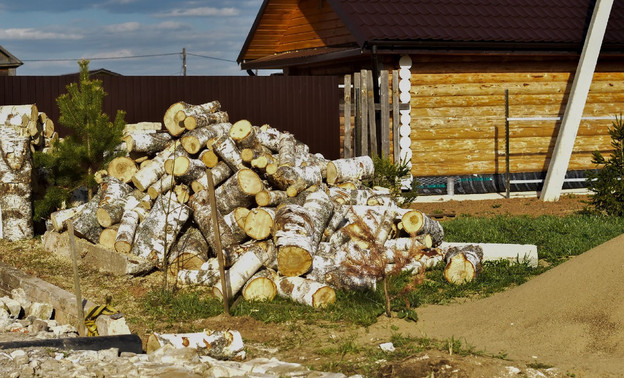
{"points": [[184, 61]]}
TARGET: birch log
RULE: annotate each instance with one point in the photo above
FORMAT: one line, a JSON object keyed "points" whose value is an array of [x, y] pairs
{"points": [[165, 183], [59, 218], [108, 236], [204, 119], [146, 143], [18, 115], [152, 171], [269, 137], [308, 292], [190, 251], [415, 222], [126, 231], [259, 223], [236, 223], [270, 197], [158, 231], [241, 271], [173, 125], [207, 274], [222, 345], [350, 169], [261, 286], [15, 186], [228, 152], [220, 173], [86, 224], [463, 264], [243, 133], [294, 239], [122, 168], [114, 195], [200, 204], [238, 191], [193, 141]]}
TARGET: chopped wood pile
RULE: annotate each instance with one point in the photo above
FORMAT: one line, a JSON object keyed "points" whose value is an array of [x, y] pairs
{"points": [[288, 221], [23, 130]]}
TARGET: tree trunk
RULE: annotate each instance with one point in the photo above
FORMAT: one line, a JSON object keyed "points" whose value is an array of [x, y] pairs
{"points": [[222, 345], [189, 252], [114, 195], [147, 143], [158, 231], [126, 231], [238, 191], [305, 291], [122, 168], [15, 186], [294, 239], [463, 264], [261, 286], [358, 168], [259, 223]]}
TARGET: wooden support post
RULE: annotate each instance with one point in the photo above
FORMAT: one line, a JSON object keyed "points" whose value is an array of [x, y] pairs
{"points": [[384, 99], [348, 150], [364, 111], [576, 103], [77, 292], [221, 259], [396, 117], [357, 140], [507, 173], [372, 124]]}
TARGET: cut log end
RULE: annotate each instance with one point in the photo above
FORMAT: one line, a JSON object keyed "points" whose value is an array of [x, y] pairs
{"points": [[459, 270], [293, 261], [324, 297], [260, 289]]}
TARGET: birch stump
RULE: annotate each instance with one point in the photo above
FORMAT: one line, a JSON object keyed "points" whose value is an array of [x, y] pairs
{"points": [[15, 186]]}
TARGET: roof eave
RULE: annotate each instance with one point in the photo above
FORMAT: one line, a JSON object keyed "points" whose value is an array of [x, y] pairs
{"points": [[287, 60], [252, 32]]}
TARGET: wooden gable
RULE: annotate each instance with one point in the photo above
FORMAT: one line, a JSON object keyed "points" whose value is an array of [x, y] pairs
{"points": [[290, 25]]}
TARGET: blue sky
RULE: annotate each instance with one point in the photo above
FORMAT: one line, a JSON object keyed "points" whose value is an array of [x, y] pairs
{"points": [[40, 31]]}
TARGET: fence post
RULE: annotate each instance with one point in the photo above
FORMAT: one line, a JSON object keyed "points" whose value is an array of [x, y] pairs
{"points": [[507, 173], [396, 117], [372, 124], [364, 111], [384, 99], [357, 140], [347, 149]]}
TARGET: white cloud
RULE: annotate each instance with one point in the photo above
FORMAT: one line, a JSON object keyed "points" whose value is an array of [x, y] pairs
{"points": [[202, 12], [35, 34], [171, 25], [125, 27]]}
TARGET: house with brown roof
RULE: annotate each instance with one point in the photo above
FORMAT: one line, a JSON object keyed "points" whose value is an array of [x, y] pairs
{"points": [[8, 63], [475, 70]]}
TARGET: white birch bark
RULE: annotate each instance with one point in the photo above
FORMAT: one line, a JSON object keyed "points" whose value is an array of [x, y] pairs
{"points": [[358, 168], [305, 291]]}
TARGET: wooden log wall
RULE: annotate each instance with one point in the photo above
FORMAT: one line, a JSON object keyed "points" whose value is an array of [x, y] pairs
{"points": [[458, 114]]}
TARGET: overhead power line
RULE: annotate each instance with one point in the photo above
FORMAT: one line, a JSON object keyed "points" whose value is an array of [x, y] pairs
{"points": [[124, 57]]}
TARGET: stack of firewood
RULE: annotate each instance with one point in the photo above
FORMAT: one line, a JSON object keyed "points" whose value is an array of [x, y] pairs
{"points": [[288, 221], [23, 130]]}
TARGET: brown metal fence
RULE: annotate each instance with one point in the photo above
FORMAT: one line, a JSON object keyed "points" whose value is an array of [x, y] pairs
{"points": [[306, 106]]}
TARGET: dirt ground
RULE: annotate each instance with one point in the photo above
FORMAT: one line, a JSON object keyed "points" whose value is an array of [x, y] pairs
{"points": [[569, 318]]}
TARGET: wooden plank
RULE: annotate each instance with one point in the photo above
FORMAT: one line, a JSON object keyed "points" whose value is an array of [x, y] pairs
{"points": [[364, 111], [357, 93], [384, 98], [396, 116], [372, 119], [348, 150]]}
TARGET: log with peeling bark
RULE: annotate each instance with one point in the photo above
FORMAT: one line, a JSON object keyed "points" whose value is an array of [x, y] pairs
{"points": [[305, 291], [86, 224], [415, 222], [227, 150], [463, 264], [238, 191], [59, 218], [190, 251], [220, 173], [158, 231], [114, 195], [15, 186], [358, 168], [287, 152], [241, 271], [193, 141], [122, 168], [222, 345], [126, 231], [206, 275], [294, 238], [200, 204], [259, 222], [151, 172], [330, 269], [269, 137], [18, 115], [165, 183], [261, 286], [236, 222], [146, 143]]}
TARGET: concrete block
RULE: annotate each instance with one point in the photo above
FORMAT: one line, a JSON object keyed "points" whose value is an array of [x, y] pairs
{"points": [[107, 326], [496, 251], [96, 256]]}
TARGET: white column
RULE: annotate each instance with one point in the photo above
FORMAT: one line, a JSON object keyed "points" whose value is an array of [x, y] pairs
{"points": [[576, 103], [405, 142]]}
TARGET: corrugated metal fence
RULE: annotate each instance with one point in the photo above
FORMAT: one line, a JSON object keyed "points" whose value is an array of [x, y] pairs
{"points": [[308, 107]]}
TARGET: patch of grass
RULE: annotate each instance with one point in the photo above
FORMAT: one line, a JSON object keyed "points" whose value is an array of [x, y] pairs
{"points": [[538, 365], [180, 306]]}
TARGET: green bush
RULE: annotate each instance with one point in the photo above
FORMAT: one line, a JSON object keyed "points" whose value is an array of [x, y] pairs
{"points": [[389, 174], [607, 182]]}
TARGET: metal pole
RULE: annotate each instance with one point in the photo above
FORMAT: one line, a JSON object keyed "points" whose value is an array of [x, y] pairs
{"points": [[184, 61], [507, 173]]}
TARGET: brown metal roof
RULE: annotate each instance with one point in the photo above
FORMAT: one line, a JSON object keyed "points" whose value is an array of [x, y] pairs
{"points": [[511, 21]]}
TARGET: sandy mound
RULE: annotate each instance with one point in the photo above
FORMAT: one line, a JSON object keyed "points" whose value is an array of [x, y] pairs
{"points": [[571, 317]]}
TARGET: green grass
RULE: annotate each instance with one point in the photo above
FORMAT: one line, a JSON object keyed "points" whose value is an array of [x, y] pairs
{"points": [[557, 238]]}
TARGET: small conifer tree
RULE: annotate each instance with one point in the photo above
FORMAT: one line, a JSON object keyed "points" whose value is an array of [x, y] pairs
{"points": [[88, 148], [607, 182]]}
